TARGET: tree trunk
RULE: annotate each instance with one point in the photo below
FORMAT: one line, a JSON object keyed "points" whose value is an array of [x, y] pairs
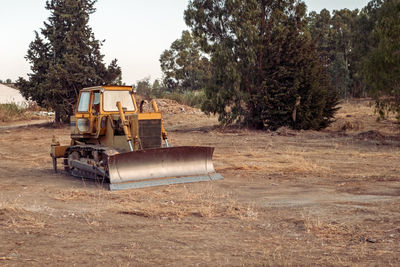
{"points": [[57, 118]]}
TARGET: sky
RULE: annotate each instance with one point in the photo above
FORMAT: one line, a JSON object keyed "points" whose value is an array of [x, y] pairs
{"points": [[136, 32]]}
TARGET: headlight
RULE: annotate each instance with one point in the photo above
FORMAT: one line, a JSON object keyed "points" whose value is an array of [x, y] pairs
{"points": [[83, 125]]}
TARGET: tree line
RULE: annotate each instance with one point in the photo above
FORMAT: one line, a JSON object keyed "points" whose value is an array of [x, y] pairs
{"points": [[257, 63], [7, 81], [257, 57]]}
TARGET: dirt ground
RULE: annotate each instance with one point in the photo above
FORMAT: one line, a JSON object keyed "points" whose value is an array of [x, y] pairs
{"points": [[288, 198]]}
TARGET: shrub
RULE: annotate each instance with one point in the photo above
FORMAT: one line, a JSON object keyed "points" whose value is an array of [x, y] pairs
{"points": [[10, 112], [189, 98]]}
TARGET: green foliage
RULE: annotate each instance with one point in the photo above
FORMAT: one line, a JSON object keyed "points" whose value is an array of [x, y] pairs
{"points": [[10, 112], [7, 81], [382, 64], [156, 90], [361, 50], [340, 75], [144, 88], [265, 70], [320, 29], [345, 40], [194, 98], [13, 112], [189, 98], [183, 65], [336, 38], [66, 58], [11, 108]]}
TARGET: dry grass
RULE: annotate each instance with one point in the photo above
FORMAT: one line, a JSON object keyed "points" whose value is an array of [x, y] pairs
{"points": [[169, 203], [358, 115], [290, 161], [319, 154], [12, 112], [328, 230], [80, 194], [207, 208], [346, 186], [179, 202], [15, 216]]}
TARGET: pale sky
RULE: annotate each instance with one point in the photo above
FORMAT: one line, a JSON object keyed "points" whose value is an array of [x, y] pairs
{"points": [[136, 32]]}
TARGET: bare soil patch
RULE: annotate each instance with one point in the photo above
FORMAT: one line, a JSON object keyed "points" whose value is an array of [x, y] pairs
{"points": [[288, 198]]}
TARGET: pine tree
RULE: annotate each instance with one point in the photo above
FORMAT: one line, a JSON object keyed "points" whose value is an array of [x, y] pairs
{"points": [[65, 58]]}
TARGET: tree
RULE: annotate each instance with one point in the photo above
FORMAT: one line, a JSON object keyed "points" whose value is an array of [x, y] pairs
{"points": [[336, 38], [320, 28], [382, 63], [157, 89], [340, 75], [343, 44], [144, 88], [266, 71], [66, 57], [183, 65]]}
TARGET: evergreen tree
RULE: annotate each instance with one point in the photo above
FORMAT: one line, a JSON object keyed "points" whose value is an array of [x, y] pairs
{"points": [[266, 71], [66, 58]]}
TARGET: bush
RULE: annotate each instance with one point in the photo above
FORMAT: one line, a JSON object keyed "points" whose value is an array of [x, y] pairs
{"points": [[10, 112], [173, 96], [189, 98]]}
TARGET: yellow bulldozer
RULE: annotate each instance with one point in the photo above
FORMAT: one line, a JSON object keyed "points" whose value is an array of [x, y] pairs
{"points": [[115, 142]]}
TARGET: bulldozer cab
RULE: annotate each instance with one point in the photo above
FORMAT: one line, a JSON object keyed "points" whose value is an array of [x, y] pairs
{"points": [[87, 111], [108, 115], [95, 104]]}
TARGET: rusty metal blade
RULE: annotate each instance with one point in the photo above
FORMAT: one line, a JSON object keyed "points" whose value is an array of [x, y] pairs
{"points": [[158, 163]]}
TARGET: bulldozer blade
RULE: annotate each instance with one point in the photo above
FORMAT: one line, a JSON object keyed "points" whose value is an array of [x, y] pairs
{"points": [[168, 181], [161, 166]]}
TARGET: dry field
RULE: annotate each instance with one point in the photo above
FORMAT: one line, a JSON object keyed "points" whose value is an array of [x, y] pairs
{"points": [[288, 198]]}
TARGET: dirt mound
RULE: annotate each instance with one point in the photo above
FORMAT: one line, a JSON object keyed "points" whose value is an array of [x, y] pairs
{"points": [[168, 106]]}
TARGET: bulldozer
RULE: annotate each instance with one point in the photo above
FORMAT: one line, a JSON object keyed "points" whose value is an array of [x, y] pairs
{"points": [[118, 144]]}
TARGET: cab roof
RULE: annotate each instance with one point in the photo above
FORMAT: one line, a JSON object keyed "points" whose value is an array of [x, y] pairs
{"points": [[108, 87]]}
